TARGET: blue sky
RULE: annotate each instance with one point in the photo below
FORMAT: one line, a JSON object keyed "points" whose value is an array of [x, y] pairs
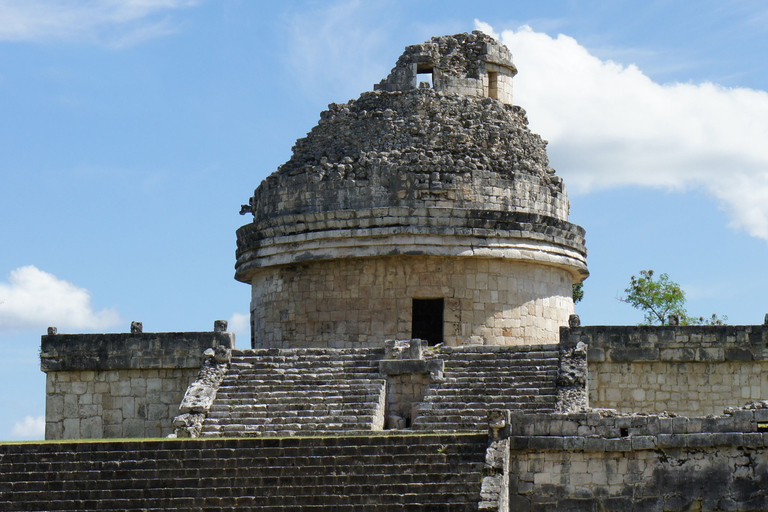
{"points": [[132, 131]]}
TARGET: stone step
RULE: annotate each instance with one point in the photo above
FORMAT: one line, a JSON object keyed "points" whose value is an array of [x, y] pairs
{"points": [[456, 395], [309, 385], [280, 396], [360, 472]]}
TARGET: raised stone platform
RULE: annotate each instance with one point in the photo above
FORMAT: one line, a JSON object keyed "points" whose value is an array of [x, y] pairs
{"points": [[273, 392], [598, 461], [372, 473]]}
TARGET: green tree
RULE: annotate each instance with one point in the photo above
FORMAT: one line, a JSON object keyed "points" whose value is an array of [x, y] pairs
{"points": [[578, 292], [660, 298], [657, 298]]}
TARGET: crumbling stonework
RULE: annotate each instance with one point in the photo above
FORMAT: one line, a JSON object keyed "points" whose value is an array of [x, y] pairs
{"points": [[403, 172], [409, 374], [201, 393], [572, 395], [470, 64]]}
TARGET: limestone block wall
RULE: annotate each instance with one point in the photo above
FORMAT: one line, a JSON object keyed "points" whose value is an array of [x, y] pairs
{"points": [[114, 403], [360, 302], [691, 370], [649, 463], [119, 385]]}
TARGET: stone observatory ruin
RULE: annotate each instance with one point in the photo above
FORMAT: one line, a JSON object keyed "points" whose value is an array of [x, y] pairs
{"points": [[415, 212], [413, 344]]}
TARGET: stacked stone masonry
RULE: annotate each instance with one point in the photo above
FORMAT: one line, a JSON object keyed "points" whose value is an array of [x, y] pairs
{"points": [[689, 370], [477, 380], [361, 302], [285, 392], [452, 173], [114, 403], [468, 64], [368, 474], [415, 149], [301, 391], [592, 462], [119, 385]]}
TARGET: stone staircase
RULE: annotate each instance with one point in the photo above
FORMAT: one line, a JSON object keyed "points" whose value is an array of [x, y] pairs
{"points": [[478, 379], [298, 391], [373, 473]]}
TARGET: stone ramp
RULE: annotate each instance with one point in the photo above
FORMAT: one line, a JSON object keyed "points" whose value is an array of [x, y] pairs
{"points": [[478, 379], [298, 391], [350, 473]]}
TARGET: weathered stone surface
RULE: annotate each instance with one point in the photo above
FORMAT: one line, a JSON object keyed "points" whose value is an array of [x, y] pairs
{"points": [[200, 394], [121, 385], [692, 370], [406, 177], [339, 473], [74, 352]]}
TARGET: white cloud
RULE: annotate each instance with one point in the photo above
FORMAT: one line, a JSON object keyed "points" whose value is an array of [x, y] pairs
{"points": [[116, 23], [611, 125], [30, 428], [240, 324], [33, 299]]}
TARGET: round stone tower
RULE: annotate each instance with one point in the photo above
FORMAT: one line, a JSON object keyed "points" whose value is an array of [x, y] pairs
{"points": [[415, 211]]}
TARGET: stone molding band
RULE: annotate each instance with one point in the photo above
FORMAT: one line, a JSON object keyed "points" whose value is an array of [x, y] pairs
{"points": [[529, 237]]}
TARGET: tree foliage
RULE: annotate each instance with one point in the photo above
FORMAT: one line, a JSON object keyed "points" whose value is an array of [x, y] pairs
{"points": [[705, 320], [657, 298], [578, 292]]}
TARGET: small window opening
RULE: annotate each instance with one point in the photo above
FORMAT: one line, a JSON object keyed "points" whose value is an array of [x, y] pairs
{"points": [[624, 431], [493, 84], [424, 74], [427, 320]]}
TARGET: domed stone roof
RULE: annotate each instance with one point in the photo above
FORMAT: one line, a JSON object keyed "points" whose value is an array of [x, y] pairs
{"points": [[408, 169]]}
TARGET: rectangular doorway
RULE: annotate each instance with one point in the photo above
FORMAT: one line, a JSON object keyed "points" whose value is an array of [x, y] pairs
{"points": [[427, 320]]}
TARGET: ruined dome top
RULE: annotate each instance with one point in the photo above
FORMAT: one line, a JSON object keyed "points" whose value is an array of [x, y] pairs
{"points": [[400, 157]]}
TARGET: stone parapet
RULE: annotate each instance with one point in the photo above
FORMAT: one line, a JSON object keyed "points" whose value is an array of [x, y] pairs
{"points": [[121, 385], [595, 462], [691, 370], [691, 343], [609, 425], [122, 351]]}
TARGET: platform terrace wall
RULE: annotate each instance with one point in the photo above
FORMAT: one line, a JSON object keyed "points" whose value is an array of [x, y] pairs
{"points": [[650, 463], [361, 302], [341, 473], [690, 370], [119, 385]]}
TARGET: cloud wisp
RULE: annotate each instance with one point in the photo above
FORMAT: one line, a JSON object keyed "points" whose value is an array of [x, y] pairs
{"points": [[345, 37], [33, 300], [611, 125], [115, 23], [29, 428], [240, 324]]}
